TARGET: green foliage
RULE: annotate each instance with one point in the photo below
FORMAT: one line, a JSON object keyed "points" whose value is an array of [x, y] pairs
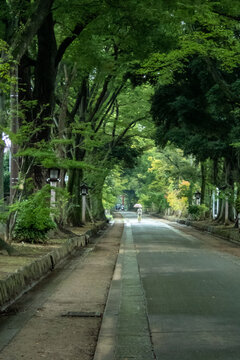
{"points": [[194, 114], [5, 66], [126, 154], [237, 205], [113, 187], [99, 119], [197, 212], [33, 217], [209, 29], [160, 175]]}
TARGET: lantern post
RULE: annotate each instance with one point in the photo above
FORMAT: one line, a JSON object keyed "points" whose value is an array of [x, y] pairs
{"points": [[53, 179]]}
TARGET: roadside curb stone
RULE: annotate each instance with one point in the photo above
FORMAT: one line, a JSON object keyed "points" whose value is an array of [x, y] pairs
{"points": [[17, 283], [225, 233]]}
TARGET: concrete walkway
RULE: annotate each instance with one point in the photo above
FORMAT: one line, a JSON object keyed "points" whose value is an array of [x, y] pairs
{"points": [[125, 332], [53, 321]]}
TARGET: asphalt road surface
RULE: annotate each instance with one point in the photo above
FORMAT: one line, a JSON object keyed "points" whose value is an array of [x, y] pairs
{"points": [[192, 292]]}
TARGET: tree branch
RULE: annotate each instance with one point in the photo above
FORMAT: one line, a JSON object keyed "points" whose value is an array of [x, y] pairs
{"points": [[101, 98], [218, 78], [132, 123], [109, 106], [23, 38], [232, 17], [77, 104], [170, 160], [68, 41], [115, 122], [68, 114]]}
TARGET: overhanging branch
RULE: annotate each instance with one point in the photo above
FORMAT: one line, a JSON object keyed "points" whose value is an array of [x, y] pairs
{"points": [[130, 125], [69, 40]]}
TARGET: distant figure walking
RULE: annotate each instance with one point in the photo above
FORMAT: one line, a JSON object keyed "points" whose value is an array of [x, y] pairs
{"points": [[139, 214]]}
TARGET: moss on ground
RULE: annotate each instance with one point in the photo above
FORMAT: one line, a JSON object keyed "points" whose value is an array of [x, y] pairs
{"points": [[24, 255], [25, 252]]}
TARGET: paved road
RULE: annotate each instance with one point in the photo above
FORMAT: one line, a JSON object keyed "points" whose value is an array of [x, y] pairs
{"points": [[174, 296], [192, 293]]}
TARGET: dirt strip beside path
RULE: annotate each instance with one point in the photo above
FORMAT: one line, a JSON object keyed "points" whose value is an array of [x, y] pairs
{"points": [[49, 333]]}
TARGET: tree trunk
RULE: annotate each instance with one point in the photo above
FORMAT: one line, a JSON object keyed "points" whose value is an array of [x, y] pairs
{"points": [[14, 169], [224, 216], [75, 207], [26, 33], [1, 175], [215, 172], [226, 213], [237, 207], [45, 78], [1, 149], [97, 208], [76, 175], [203, 182], [213, 205], [96, 184], [221, 211]]}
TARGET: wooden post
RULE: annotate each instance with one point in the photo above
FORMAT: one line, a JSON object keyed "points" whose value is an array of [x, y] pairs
{"points": [[226, 211], [217, 201], [83, 209], [213, 204]]}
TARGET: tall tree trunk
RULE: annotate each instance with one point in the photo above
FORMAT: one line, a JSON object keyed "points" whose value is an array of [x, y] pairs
{"points": [[213, 209], [75, 207], [221, 211], [14, 169], [76, 175], [97, 208], [26, 33], [96, 184], [61, 128], [203, 182], [215, 172], [226, 213], [45, 78], [1, 149], [237, 207], [224, 216]]}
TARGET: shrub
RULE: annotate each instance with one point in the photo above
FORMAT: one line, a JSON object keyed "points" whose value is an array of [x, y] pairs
{"points": [[197, 212], [33, 217]]}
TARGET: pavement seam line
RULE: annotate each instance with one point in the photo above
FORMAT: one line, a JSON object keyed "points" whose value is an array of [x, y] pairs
{"points": [[113, 343]]}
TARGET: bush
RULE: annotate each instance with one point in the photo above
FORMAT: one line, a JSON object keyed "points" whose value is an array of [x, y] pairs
{"points": [[34, 217], [197, 212]]}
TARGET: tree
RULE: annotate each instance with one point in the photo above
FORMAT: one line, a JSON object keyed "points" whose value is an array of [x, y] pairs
{"points": [[53, 57], [161, 180], [195, 115]]}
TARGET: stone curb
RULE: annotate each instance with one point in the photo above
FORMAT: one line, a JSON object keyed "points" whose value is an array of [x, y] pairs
{"points": [[226, 234], [16, 284], [232, 236]]}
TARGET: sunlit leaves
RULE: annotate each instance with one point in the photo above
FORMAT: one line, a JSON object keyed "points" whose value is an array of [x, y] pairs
{"points": [[5, 67]]}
